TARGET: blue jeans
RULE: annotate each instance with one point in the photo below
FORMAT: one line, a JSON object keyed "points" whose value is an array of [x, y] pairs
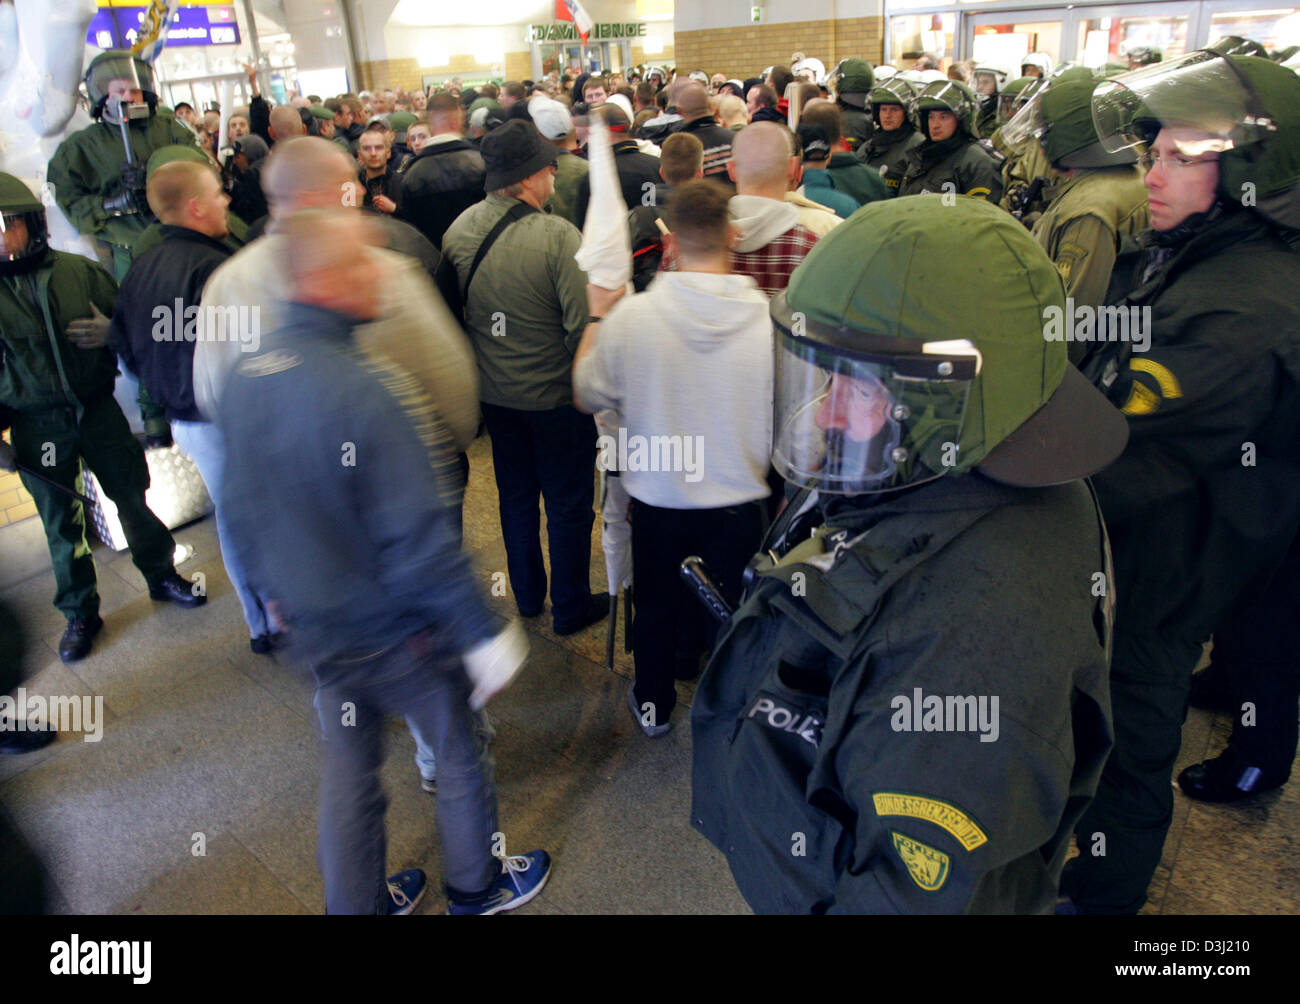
{"points": [[430, 688], [551, 454], [202, 443]]}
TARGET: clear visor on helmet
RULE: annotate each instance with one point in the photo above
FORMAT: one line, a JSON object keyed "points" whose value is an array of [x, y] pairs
{"points": [[22, 234], [136, 72], [1201, 91], [1006, 108], [1028, 122], [853, 422]]}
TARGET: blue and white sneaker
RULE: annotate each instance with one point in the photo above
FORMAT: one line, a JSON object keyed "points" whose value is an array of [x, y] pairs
{"points": [[522, 877], [405, 890]]}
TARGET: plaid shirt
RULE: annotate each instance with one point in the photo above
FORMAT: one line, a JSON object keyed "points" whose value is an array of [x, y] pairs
{"points": [[771, 265]]}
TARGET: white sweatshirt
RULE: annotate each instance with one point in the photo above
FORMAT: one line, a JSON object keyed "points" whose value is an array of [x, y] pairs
{"points": [[688, 366]]}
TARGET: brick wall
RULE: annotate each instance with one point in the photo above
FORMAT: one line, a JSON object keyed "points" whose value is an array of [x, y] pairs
{"points": [[15, 503], [385, 74], [745, 51]]}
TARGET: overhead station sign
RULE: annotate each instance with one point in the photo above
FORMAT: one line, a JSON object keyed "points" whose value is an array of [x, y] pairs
{"points": [[118, 27], [567, 31]]}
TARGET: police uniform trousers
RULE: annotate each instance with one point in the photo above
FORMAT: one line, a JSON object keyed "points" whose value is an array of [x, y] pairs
{"points": [[53, 441], [1122, 833], [1257, 662]]}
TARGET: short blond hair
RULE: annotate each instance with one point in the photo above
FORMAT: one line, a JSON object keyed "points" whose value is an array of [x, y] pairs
{"points": [[173, 184]]}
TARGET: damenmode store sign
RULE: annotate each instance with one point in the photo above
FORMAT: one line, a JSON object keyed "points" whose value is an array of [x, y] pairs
{"points": [[564, 31]]}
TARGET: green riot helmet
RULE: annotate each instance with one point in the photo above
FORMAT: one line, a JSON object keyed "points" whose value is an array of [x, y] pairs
{"points": [[1029, 120], [895, 91], [108, 94], [22, 226], [1244, 109], [853, 80], [1235, 45], [1009, 96], [946, 96], [1068, 135], [889, 376]]}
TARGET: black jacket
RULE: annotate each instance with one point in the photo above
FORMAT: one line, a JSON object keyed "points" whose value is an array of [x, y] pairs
{"points": [[247, 200], [389, 183], [153, 316], [638, 175], [717, 142], [815, 772], [442, 182], [1206, 495]]}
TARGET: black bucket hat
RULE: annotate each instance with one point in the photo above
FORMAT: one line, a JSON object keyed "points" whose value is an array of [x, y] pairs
{"points": [[512, 152]]}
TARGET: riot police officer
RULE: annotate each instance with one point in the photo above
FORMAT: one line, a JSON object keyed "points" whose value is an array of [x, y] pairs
{"points": [[951, 160], [1206, 498], [99, 187], [989, 82], [940, 552], [853, 80], [1097, 198], [895, 135], [56, 398]]}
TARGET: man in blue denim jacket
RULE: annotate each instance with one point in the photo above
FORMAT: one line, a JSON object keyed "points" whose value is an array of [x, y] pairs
{"points": [[342, 524]]}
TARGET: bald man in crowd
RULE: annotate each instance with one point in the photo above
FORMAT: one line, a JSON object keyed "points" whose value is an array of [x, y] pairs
{"points": [[367, 569], [247, 199], [414, 329], [154, 324], [771, 240], [698, 121]]}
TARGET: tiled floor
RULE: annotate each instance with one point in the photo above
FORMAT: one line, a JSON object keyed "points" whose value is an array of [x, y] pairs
{"points": [[201, 795]]}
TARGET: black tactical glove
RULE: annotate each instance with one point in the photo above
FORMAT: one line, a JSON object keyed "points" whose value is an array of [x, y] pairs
{"points": [[128, 195]]}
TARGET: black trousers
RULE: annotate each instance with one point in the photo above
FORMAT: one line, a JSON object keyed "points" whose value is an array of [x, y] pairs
{"points": [[669, 619], [1257, 662]]}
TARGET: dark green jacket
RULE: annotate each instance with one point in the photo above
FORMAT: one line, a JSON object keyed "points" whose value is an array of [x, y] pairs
{"points": [[1207, 493], [35, 309], [886, 153], [958, 161], [802, 774], [86, 167], [852, 176]]}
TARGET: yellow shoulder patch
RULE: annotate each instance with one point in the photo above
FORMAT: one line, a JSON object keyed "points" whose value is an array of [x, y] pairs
{"points": [[1169, 385], [942, 814], [1142, 399], [980, 193], [927, 866]]}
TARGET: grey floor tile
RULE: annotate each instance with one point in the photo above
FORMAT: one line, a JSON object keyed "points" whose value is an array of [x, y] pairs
{"points": [[226, 879], [112, 816]]}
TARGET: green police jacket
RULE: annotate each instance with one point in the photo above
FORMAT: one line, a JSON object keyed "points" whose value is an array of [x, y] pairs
{"points": [[1025, 163], [85, 170], [913, 720], [39, 367], [957, 161], [1083, 224], [887, 152], [1206, 495]]}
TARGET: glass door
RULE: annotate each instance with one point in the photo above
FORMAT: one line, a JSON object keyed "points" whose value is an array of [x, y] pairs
{"points": [[1132, 33], [1004, 38]]}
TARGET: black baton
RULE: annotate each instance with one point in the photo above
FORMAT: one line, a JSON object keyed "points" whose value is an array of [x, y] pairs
{"points": [[696, 575], [55, 485]]}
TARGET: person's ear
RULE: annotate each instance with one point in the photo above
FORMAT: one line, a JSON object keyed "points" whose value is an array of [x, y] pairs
{"points": [[731, 170]]}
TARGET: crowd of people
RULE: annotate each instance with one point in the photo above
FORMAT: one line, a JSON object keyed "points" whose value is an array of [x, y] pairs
{"points": [[971, 393]]}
